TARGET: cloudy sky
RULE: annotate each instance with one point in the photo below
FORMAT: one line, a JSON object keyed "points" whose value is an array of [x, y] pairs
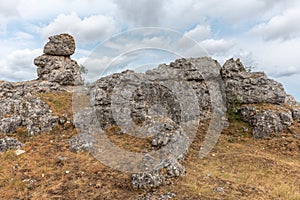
{"points": [[263, 33]]}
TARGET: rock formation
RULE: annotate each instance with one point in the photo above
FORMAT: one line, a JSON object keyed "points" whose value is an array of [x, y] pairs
{"points": [[55, 64], [21, 108], [20, 105], [60, 45], [264, 103], [156, 105], [249, 89]]}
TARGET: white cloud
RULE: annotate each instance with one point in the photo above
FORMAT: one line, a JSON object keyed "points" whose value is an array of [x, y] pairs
{"points": [[217, 47], [182, 14], [45, 10], [287, 72], [236, 11], [199, 33], [283, 27], [142, 12], [7, 12], [87, 30], [8, 8], [18, 65]]}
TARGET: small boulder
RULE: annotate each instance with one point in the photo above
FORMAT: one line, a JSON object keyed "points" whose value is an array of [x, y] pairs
{"points": [[81, 143], [286, 118], [266, 123], [60, 45], [296, 114], [8, 143]]}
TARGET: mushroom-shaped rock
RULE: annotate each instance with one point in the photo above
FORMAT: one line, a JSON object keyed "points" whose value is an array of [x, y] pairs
{"points": [[55, 65]]}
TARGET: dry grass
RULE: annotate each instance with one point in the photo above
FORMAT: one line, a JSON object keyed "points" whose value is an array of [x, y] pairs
{"points": [[59, 102], [244, 167]]}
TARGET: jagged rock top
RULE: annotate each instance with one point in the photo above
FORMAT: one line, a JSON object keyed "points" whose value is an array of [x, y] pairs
{"points": [[60, 45], [250, 87]]}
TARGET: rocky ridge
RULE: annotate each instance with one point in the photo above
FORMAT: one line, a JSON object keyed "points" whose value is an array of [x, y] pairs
{"points": [[245, 91], [260, 101]]}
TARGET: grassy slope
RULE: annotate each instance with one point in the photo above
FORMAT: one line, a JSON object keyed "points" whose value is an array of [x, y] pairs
{"points": [[244, 167]]}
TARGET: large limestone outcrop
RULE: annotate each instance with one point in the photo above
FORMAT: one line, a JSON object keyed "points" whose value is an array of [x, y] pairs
{"points": [[55, 65], [250, 87], [21, 108], [148, 95], [155, 105], [20, 105], [153, 99], [265, 104]]}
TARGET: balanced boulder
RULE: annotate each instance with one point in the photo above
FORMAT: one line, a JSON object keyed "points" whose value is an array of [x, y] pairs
{"points": [[60, 45], [56, 65]]}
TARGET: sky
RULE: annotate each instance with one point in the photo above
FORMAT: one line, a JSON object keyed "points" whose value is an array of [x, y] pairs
{"points": [[262, 33]]}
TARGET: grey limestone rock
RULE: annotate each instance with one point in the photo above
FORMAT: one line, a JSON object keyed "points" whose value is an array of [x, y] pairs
{"points": [[58, 69], [250, 87], [81, 142], [266, 123], [170, 168], [8, 143], [19, 107], [60, 45], [286, 118], [296, 114], [55, 65]]}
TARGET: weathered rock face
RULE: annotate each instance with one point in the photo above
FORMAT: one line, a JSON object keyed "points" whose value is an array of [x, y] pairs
{"points": [[58, 69], [170, 169], [290, 100], [255, 88], [20, 109], [150, 98], [250, 87], [20, 106], [60, 45], [55, 65], [157, 106], [266, 121]]}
